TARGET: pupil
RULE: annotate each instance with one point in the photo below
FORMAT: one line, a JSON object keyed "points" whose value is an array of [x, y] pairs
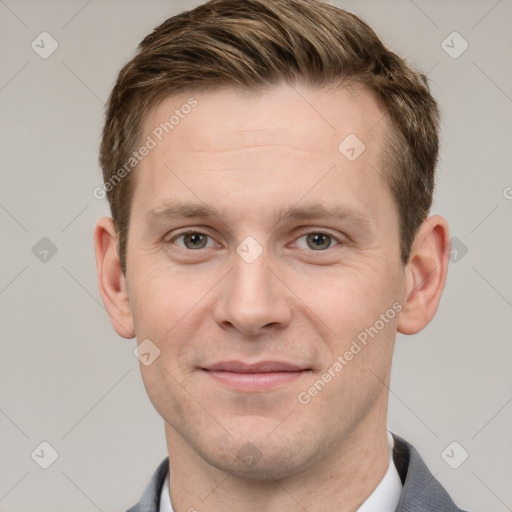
{"points": [[196, 240], [319, 241]]}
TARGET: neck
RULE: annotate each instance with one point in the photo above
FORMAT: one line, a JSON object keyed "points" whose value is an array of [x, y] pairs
{"points": [[346, 477]]}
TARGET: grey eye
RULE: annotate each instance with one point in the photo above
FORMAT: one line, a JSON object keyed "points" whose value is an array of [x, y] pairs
{"points": [[194, 240], [318, 241]]}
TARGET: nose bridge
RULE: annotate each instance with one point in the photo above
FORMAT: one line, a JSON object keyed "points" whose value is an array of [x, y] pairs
{"points": [[252, 298], [251, 280]]}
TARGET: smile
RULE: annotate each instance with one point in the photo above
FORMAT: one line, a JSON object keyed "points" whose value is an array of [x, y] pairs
{"points": [[263, 376]]}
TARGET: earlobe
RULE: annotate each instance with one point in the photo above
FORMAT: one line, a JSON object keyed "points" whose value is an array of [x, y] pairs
{"points": [[425, 277], [111, 281]]}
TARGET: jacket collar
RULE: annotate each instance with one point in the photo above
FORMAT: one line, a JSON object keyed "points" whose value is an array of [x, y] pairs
{"points": [[421, 491]]}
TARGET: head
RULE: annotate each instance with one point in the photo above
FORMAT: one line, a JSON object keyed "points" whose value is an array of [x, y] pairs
{"points": [[250, 46], [275, 214]]}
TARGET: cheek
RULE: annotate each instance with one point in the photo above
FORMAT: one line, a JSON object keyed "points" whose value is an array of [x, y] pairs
{"points": [[164, 390], [352, 298], [160, 296], [360, 307], [169, 306]]}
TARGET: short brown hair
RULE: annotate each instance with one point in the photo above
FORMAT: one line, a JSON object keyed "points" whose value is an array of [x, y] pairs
{"points": [[252, 44]]}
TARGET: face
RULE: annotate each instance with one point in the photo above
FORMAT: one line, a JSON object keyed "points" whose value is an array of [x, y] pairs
{"points": [[263, 261]]}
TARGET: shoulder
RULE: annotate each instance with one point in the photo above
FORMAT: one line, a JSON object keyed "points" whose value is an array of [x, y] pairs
{"points": [[150, 500], [421, 491]]}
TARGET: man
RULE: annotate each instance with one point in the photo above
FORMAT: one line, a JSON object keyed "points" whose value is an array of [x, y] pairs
{"points": [[270, 168]]}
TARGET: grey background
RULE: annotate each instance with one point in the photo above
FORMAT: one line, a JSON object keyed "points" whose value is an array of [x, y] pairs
{"points": [[65, 376]]}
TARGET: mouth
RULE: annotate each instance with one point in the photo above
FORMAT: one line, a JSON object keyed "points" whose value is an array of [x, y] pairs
{"points": [[261, 376]]}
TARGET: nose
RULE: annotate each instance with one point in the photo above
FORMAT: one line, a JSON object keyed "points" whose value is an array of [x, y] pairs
{"points": [[252, 299]]}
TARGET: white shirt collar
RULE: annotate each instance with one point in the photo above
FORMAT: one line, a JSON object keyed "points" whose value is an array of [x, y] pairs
{"points": [[386, 495], [165, 497], [384, 498]]}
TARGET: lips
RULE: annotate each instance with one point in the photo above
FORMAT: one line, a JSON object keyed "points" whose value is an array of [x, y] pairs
{"points": [[260, 367], [254, 377]]}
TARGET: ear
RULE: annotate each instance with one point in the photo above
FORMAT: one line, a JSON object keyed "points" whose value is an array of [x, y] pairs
{"points": [[111, 281], [425, 275]]}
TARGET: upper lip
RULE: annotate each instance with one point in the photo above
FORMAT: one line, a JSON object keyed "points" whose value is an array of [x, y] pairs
{"points": [[259, 367]]}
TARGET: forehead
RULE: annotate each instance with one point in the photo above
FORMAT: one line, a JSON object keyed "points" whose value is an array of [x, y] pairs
{"points": [[302, 117], [271, 145]]}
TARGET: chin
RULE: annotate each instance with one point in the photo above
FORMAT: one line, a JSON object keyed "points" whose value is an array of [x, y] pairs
{"points": [[261, 457], [253, 464]]}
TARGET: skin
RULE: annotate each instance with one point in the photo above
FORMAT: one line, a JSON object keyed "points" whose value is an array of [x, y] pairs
{"points": [[249, 157]]}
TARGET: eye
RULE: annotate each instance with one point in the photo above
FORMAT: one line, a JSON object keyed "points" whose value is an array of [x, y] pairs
{"points": [[317, 241], [193, 240]]}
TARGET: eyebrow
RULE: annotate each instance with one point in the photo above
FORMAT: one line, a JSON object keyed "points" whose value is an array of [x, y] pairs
{"points": [[171, 211], [318, 211], [179, 210]]}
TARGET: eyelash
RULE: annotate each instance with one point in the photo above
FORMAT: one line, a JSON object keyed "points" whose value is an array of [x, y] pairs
{"points": [[335, 239], [189, 232]]}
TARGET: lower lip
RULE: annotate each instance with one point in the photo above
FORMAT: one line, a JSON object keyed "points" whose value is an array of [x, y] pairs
{"points": [[255, 381]]}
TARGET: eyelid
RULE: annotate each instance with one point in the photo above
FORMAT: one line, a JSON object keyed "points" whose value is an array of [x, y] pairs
{"points": [[307, 230], [337, 237], [185, 231]]}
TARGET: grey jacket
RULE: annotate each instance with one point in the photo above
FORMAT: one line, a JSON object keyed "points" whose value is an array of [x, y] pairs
{"points": [[421, 491]]}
